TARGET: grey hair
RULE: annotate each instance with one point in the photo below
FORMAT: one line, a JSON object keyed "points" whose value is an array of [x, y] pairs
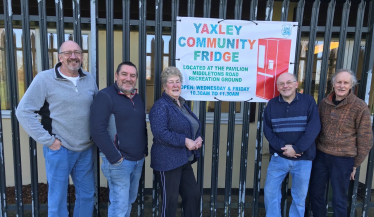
{"points": [[353, 76], [170, 71], [294, 76]]}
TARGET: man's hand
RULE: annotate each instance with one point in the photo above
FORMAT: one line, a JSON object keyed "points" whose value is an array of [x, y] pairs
{"points": [[199, 142], [353, 173], [290, 152], [190, 144], [56, 145], [119, 162]]}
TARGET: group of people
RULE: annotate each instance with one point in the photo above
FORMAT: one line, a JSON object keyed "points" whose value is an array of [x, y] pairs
{"points": [[336, 136], [315, 144], [75, 116]]}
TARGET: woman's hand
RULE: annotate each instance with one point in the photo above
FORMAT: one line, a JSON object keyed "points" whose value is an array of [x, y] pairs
{"points": [[199, 142], [190, 144]]}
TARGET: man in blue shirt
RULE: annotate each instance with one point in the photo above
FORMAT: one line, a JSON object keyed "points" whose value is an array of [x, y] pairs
{"points": [[291, 124], [118, 127]]}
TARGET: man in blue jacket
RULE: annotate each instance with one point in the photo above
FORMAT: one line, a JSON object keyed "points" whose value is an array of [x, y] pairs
{"points": [[291, 124], [118, 127]]}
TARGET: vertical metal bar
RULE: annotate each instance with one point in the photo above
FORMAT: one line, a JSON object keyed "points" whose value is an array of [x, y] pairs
{"points": [[358, 34], [368, 68], [284, 191], [142, 85], [229, 157], [109, 43], [253, 10], [126, 30], [259, 136], [243, 161], [94, 41], [269, 10], [343, 34], [190, 13], [243, 158], [43, 34], [216, 137], [93, 70], [59, 23], [326, 50], [215, 155], [157, 87], [245, 137], [285, 6], [158, 49], [369, 53], [191, 8], [202, 118], [299, 19], [50, 48], [230, 136], [77, 22], [258, 160], [200, 163], [311, 47], [96, 152], [207, 8], [222, 9], [3, 203], [12, 81], [174, 14], [368, 182], [352, 194], [29, 76], [155, 200]]}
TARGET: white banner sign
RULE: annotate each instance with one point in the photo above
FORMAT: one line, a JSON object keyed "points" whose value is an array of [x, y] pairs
{"points": [[233, 60]]}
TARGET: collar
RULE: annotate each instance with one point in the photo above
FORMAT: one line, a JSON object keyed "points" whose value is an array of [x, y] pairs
{"points": [[80, 71], [348, 99], [282, 100], [181, 99]]}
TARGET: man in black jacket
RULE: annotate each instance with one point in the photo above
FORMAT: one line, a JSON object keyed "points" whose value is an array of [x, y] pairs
{"points": [[118, 127]]}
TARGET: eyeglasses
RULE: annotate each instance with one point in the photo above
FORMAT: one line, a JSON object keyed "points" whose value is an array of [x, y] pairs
{"points": [[172, 82], [282, 84], [69, 53]]}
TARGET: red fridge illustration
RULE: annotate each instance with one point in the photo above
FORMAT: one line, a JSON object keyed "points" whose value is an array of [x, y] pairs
{"points": [[272, 60]]}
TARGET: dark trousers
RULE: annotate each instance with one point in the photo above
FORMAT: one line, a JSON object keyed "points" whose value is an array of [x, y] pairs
{"points": [[339, 170], [179, 181]]}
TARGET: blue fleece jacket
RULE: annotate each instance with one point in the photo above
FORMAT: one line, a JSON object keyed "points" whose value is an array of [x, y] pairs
{"points": [[170, 128], [296, 123], [131, 141]]}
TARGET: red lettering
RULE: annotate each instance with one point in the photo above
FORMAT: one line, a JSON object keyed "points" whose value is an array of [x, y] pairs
{"points": [[226, 56], [205, 29], [220, 30], [189, 42]]}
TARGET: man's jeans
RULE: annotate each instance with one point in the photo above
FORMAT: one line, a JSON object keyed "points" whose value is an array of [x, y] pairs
{"points": [[123, 180], [278, 168], [59, 164], [339, 170]]}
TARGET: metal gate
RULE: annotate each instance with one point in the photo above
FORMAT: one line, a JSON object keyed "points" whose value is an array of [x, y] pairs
{"points": [[307, 14]]}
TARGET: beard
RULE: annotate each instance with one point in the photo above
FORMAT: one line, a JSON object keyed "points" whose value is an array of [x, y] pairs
{"points": [[74, 68], [125, 91]]}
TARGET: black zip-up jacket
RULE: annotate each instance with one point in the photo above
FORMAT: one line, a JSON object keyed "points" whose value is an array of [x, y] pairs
{"points": [[129, 114]]}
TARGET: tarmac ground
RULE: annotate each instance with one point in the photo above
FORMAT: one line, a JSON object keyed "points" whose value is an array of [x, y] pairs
{"points": [[206, 211]]}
